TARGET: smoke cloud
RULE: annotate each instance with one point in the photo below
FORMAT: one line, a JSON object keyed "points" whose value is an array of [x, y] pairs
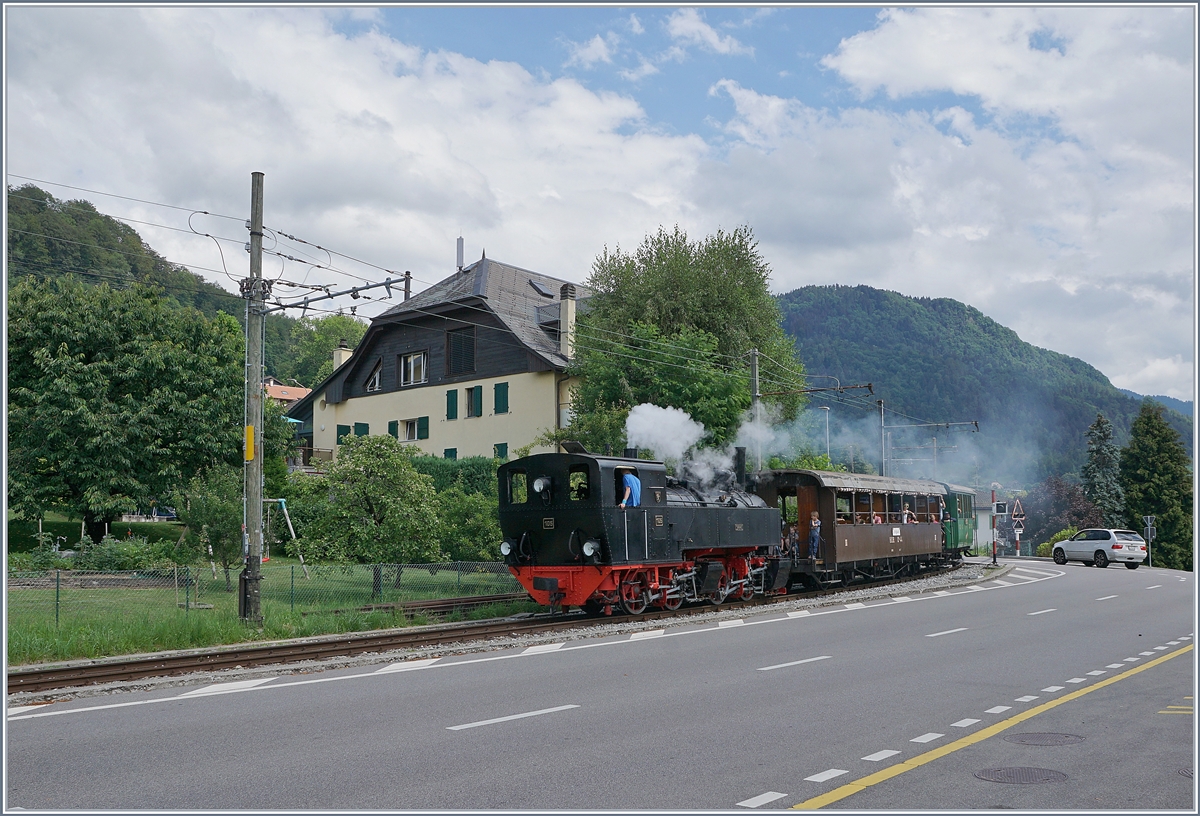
{"points": [[668, 432]]}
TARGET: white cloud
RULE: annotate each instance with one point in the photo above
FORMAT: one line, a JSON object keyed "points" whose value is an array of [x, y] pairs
{"points": [[597, 49], [645, 68], [635, 25], [386, 151], [687, 27]]}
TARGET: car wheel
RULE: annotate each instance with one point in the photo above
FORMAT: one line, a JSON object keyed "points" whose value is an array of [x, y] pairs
{"points": [[1060, 557], [1132, 565], [1101, 559]]}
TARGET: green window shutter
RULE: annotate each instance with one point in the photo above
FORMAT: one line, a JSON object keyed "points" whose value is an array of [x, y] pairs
{"points": [[394, 429], [342, 432], [450, 453], [501, 450], [501, 398], [361, 429], [452, 404], [423, 427], [477, 399]]}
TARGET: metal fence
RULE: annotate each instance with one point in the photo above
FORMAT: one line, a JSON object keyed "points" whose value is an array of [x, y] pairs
{"points": [[71, 597]]}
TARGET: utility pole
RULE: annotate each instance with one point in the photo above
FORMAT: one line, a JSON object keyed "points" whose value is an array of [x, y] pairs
{"points": [[254, 290], [825, 408], [754, 400], [882, 446]]}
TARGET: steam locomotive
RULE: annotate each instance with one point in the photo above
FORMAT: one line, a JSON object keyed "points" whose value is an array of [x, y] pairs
{"points": [[569, 543]]}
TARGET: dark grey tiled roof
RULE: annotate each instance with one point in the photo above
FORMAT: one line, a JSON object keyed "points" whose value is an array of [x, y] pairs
{"points": [[508, 293]]}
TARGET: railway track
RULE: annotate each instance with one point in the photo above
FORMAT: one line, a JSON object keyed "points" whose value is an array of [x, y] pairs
{"points": [[36, 678]]}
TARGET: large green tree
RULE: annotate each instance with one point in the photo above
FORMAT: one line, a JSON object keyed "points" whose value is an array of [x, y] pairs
{"points": [[115, 397], [673, 324], [1157, 478], [1102, 473], [375, 507], [312, 341]]}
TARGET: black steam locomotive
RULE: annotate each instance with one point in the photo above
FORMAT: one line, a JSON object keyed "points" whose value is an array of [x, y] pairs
{"points": [[570, 543]]}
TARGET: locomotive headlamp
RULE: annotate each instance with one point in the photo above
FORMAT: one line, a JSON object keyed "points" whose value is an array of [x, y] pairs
{"points": [[541, 484], [591, 547], [506, 548]]}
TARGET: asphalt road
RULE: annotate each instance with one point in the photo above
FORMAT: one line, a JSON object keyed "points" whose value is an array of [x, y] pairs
{"points": [[892, 704]]}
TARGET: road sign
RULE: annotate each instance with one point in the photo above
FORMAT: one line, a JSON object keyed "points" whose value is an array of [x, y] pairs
{"points": [[1149, 520], [1000, 509], [1018, 512], [1018, 526]]}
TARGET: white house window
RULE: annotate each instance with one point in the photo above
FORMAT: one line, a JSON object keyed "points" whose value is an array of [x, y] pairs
{"points": [[410, 430], [412, 368], [373, 381]]}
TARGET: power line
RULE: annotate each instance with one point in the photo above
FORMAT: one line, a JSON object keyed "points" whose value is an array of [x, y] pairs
{"points": [[68, 206], [148, 254], [127, 198]]}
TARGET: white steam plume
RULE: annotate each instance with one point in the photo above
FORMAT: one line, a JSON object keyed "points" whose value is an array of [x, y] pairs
{"points": [[669, 432]]}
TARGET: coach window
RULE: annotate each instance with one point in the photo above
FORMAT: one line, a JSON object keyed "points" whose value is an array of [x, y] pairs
{"points": [[921, 508], [518, 487], [894, 506], [580, 483], [844, 515], [862, 508]]}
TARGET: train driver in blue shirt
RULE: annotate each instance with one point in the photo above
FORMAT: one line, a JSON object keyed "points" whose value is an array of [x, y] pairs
{"points": [[633, 489]]}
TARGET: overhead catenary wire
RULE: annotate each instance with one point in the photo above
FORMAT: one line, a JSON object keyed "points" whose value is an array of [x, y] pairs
{"points": [[126, 198]]}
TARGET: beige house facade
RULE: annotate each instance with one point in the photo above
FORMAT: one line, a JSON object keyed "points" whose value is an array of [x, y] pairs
{"points": [[473, 366]]}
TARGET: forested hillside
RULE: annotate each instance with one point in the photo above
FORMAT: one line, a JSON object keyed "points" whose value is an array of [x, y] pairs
{"points": [[49, 238], [941, 360]]}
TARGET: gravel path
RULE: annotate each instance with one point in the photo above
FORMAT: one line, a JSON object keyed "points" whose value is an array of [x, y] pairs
{"points": [[971, 572]]}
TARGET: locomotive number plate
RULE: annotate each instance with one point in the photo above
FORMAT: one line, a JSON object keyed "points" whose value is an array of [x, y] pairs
{"points": [[737, 528], [547, 524], [658, 521]]}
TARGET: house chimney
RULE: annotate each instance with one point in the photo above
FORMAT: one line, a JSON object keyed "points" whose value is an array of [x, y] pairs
{"points": [[341, 354], [566, 320], [460, 253], [407, 284]]}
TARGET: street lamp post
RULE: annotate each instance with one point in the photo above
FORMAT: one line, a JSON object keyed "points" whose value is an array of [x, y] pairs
{"points": [[825, 408]]}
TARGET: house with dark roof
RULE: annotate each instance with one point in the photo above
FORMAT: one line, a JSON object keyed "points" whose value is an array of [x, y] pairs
{"points": [[472, 366]]}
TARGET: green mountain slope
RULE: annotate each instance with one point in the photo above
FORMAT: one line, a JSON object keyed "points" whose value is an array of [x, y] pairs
{"points": [[942, 361], [48, 237]]}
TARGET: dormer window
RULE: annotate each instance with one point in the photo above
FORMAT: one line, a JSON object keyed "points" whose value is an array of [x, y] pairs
{"points": [[412, 368], [373, 381]]}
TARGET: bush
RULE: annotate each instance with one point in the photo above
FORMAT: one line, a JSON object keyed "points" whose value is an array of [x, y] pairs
{"points": [[1044, 550], [113, 554]]}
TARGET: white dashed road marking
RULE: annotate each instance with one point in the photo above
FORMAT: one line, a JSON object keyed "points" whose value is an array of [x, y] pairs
{"points": [[543, 647], [880, 755], [727, 623], [761, 799], [825, 776], [1114, 666], [1097, 673], [1027, 698], [795, 663], [1107, 597], [653, 633], [1145, 654], [1077, 680], [509, 717], [798, 614], [408, 665], [930, 737], [1156, 586], [964, 723], [1041, 612], [222, 688], [1160, 648], [1001, 583], [856, 606], [948, 632], [1053, 688], [997, 709]]}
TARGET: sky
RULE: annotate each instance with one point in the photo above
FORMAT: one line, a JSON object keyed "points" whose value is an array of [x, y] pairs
{"points": [[1037, 163]]}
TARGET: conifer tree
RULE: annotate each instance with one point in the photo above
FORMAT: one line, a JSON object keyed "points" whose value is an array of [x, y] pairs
{"points": [[1102, 473], [1157, 478]]}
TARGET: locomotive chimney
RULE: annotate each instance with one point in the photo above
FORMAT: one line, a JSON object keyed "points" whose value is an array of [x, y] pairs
{"points": [[739, 467], [631, 453]]}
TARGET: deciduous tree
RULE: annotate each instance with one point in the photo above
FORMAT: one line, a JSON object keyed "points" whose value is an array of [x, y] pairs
{"points": [[1057, 504], [115, 397]]}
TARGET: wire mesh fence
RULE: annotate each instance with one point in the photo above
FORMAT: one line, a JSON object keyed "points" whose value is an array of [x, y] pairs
{"points": [[63, 598]]}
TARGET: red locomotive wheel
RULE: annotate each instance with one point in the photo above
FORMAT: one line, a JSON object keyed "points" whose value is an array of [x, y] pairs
{"points": [[635, 594]]}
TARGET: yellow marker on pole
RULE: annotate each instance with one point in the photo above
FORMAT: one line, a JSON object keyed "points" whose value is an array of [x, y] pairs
{"points": [[249, 443]]}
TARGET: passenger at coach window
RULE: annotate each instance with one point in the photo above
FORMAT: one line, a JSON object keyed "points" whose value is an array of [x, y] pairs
{"points": [[908, 517], [633, 490], [875, 519], [814, 534]]}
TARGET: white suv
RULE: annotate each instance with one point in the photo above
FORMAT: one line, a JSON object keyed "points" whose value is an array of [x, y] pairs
{"points": [[1100, 547]]}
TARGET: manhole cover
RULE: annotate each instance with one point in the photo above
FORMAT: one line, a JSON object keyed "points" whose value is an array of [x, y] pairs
{"points": [[1020, 776], [1043, 739], [1187, 772]]}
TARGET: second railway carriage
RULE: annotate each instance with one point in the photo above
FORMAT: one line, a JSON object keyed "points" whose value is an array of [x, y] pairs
{"points": [[871, 526]]}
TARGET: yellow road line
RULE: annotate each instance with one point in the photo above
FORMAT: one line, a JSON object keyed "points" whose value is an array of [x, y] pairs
{"points": [[851, 788]]}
